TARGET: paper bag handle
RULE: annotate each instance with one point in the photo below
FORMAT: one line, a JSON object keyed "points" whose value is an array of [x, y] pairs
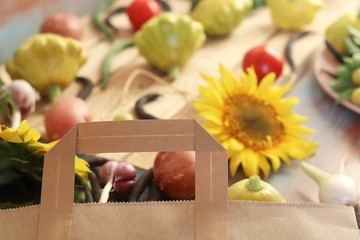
{"points": [[56, 208]]}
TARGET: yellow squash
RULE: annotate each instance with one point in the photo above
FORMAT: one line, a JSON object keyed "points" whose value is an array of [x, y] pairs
{"points": [[48, 62], [337, 31], [292, 15], [254, 189], [169, 40], [221, 17]]}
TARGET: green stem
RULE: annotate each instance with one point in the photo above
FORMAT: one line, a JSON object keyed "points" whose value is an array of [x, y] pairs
{"points": [[99, 23], [53, 92], [173, 71], [254, 184], [193, 4], [108, 58], [315, 173]]}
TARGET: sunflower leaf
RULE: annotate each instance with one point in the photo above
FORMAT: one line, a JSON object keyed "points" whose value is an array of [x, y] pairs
{"points": [[8, 176]]}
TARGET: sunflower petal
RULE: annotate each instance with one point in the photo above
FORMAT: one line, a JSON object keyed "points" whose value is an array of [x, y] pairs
{"points": [[264, 166], [250, 163], [230, 80], [11, 136], [266, 83], [23, 128], [235, 162]]}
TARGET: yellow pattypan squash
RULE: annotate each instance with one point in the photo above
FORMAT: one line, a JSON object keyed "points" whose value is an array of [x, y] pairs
{"points": [[49, 62], [221, 17], [293, 14], [169, 40], [337, 31]]}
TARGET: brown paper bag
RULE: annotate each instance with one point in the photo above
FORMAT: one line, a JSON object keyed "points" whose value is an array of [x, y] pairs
{"points": [[210, 216]]}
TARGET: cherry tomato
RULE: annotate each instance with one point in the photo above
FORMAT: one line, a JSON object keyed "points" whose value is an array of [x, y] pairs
{"points": [[140, 11], [265, 59]]}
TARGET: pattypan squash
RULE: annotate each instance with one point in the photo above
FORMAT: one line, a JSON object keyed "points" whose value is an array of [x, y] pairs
{"points": [[338, 30], [292, 15], [221, 17], [169, 40], [49, 62]]}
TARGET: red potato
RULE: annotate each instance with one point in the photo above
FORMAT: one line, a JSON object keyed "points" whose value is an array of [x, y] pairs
{"points": [[174, 172], [64, 24], [64, 114]]}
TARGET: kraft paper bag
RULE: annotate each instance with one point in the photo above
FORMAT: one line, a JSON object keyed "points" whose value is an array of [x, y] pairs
{"points": [[209, 217]]}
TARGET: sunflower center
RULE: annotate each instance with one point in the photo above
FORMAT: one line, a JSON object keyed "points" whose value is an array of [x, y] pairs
{"points": [[252, 122]]}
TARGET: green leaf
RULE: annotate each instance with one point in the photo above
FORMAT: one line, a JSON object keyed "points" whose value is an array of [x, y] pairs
{"points": [[343, 73], [8, 176], [340, 86], [344, 95], [350, 46], [353, 31]]}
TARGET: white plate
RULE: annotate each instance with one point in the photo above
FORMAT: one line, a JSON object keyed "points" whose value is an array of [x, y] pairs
{"points": [[325, 61]]}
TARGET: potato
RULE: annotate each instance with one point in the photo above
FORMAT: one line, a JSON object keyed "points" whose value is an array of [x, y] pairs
{"points": [[174, 172], [64, 114], [64, 24]]}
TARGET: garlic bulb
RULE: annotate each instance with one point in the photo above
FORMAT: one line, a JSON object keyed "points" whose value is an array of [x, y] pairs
{"points": [[333, 188]]}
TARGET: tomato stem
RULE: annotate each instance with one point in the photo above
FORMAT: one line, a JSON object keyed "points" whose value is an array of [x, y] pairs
{"points": [[108, 58]]}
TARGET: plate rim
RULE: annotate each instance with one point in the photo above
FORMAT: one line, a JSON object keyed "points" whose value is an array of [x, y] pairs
{"points": [[324, 61]]}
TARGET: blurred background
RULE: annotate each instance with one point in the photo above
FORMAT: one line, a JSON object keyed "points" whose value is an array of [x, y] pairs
{"points": [[19, 19]]}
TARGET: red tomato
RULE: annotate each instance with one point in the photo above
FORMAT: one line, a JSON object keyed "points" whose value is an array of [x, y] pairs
{"points": [[140, 11], [265, 59]]}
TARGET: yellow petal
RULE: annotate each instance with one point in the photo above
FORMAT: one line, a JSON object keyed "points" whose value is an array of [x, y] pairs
{"points": [[23, 128], [264, 166], [235, 162], [11, 136], [81, 167], [230, 80], [275, 161], [214, 84], [31, 134], [250, 163], [266, 84]]}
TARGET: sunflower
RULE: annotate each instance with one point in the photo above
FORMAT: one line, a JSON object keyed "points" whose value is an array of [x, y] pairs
{"points": [[253, 121], [21, 167], [29, 138]]}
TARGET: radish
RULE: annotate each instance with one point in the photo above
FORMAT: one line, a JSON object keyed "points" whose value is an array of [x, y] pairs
{"points": [[18, 99], [64, 114], [119, 178]]}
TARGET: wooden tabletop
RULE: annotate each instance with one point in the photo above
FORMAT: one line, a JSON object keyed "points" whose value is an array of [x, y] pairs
{"points": [[337, 130]]}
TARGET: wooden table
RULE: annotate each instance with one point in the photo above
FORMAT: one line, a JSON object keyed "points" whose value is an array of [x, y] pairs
{"points": [[336, 126]]}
